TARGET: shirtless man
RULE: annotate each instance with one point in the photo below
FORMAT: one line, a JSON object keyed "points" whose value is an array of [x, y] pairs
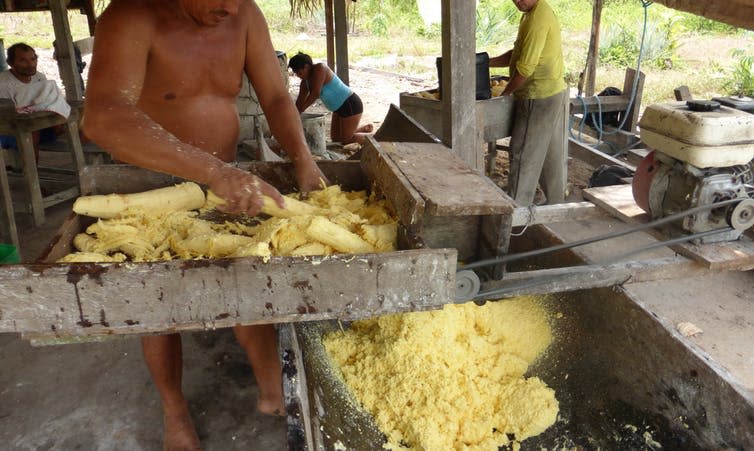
{"points": [[161, 95]]}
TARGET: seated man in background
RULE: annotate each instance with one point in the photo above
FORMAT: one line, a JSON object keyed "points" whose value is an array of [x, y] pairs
{"points": [[30, 91]]}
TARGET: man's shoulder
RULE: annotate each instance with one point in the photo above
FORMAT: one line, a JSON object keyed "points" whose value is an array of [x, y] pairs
{"points": [[131, 12]]}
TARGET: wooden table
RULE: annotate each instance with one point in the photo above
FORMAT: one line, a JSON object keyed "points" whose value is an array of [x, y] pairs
{"points": [[21, 126]]}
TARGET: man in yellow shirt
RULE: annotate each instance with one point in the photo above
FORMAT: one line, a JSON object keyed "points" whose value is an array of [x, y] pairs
{"points": [[537, 147]]}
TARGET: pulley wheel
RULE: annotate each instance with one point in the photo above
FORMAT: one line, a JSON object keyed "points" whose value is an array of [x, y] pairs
{"points": [[742, 217], [467, 285]]}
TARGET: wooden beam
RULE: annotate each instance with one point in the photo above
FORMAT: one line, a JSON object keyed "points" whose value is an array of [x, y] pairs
{"points": [[604, 104], [593, 53], [730, 255], [103, 299], [69, 71], [629, 124], [330, 33], [459, 81], [548, 214], [592, 156], [572, 278], [341, 40], [8, 230], [739, 13]]}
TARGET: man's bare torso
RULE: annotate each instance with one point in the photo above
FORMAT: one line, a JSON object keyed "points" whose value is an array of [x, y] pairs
{"points": [[192, 77]]}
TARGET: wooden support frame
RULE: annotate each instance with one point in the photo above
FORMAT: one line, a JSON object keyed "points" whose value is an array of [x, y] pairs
{"points": [[607, 104]]}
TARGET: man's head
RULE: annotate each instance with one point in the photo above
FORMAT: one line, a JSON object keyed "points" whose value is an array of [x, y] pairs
{"points": [[299, 62], [22, 59], [525, 5], [210, 12]]}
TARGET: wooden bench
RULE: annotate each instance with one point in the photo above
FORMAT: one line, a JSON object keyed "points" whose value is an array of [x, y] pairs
{"points": [[21, 127]]}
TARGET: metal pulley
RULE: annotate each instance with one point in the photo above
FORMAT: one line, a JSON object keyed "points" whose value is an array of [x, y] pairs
{"points": [[742, 216], [467, 285]]}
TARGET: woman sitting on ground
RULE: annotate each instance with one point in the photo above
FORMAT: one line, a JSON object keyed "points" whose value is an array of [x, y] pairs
{"points": [[319, 82]]}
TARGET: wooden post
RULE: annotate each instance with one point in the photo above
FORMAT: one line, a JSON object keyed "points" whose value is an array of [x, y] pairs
{"points": [[69, 71], [341, 40], [329, 33], [459, 81], [8, 230], [91, 16], [593, 53], [26, 147], [633, 113]]}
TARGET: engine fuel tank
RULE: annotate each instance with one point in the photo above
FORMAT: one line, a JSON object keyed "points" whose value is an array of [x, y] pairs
{"points": [[705, 139]]}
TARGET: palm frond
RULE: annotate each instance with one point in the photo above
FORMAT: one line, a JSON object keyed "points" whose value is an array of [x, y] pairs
{"points": [[299, 8]]}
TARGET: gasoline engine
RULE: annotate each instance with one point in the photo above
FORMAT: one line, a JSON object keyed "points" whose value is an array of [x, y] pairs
{"points": [[703, 155]]}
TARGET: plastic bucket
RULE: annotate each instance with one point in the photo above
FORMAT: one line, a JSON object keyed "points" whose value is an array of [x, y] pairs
{"points": [[482, 61], [8, 254], [314, 131]]}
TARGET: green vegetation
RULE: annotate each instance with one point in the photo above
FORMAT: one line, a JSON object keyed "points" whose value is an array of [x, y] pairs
{"points": [[679, 48], [741, 82]]}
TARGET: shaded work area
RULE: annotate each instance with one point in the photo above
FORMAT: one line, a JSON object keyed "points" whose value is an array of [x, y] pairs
{"points": [[620, 357]]}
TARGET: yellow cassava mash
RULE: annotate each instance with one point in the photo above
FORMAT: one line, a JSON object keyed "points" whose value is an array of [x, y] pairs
{"points": [[451, 379], [139, 228]]}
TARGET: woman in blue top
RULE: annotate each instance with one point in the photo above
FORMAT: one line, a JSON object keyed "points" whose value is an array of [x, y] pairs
{"points": [[319, 82]]}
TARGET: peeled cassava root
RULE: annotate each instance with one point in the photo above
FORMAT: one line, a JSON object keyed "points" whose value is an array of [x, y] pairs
{"points": [[185, 196], [182, 197]]}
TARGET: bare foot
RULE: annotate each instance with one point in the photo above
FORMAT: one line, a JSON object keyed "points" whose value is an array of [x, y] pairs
{"points": [[179, 434], [368, 128], [271, 405]]}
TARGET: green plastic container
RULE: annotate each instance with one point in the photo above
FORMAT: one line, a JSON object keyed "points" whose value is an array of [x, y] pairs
{"points": [[8, 254]]}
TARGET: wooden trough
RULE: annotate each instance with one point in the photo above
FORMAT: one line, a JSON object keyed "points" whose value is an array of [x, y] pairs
{"points": [[63, 302]]}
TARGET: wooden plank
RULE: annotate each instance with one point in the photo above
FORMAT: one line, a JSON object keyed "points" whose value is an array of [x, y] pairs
{"points": [[97, 299], [635, 156], [297, 407], [447, 184], [682, 93], [572, 278], [387, 177], [494, 238], [594, 157], [604, 104], [628, 84], [60, 196], [732, 255], [548, 214]]}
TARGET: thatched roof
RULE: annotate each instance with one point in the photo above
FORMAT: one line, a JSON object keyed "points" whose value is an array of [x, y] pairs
{"points": [[739, 13]]}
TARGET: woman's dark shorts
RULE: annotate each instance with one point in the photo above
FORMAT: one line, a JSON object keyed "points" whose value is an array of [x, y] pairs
{"points": [[351, 107]]}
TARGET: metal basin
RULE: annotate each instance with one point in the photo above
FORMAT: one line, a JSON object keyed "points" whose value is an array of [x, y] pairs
{"points": [[623, 381]]}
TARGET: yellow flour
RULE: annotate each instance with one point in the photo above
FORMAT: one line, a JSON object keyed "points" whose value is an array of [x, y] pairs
{"points": [[451, 379]]}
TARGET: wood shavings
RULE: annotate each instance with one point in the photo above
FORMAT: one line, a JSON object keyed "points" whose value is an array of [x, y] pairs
{"points": [[688, 329]]}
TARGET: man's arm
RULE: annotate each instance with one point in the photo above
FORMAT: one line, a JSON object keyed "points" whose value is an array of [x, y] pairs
{"points": [[263, 71], [516, 82], [114, 121], [503, 60]]}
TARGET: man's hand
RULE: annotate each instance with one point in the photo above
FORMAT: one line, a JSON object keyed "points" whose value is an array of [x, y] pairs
{"points": [[242, 191], [308, 175], [26, 109]]}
